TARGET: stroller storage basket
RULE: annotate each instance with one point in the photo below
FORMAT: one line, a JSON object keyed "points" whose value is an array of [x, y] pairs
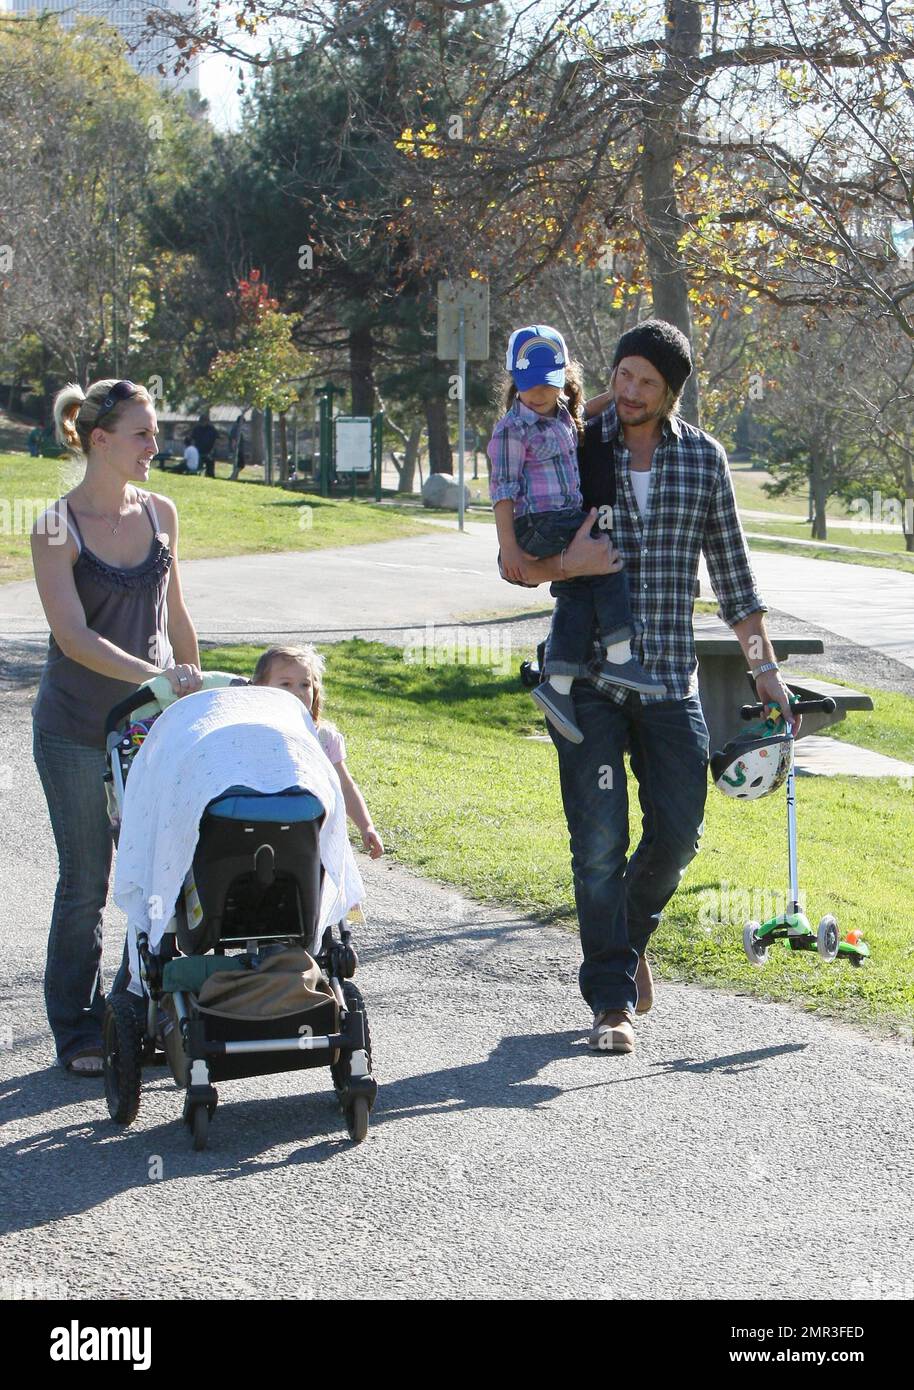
{"points": [[319, 1021]]}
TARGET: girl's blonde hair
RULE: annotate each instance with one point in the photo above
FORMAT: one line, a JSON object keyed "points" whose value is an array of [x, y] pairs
{"points": [[307, 656], [76, 411], [573, 394]]}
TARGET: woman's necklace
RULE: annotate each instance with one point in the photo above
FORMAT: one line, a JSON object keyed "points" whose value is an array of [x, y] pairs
{"points": [[102, 517]]}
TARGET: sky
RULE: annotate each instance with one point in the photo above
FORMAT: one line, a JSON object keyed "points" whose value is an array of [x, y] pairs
{"points": [[218, 81], [219, 75]]}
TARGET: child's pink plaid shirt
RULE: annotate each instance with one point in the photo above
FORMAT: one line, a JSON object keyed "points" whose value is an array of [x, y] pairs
{"points": [[535, 461]]}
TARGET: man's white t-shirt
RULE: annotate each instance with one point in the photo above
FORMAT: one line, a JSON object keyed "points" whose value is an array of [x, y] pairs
{"points": [[641, 482], [191, 457]]}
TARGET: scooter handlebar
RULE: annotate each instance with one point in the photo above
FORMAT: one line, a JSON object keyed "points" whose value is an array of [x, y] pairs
{"points": [[824, 705]]}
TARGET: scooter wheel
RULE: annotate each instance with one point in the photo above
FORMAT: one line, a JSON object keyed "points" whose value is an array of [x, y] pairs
{"points": [[827, 938], [756, 950]]}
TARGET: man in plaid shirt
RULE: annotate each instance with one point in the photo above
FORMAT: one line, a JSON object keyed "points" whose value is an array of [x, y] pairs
{"points": [[673, 499]]}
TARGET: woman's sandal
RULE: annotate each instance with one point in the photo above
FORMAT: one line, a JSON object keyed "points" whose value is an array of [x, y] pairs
{"points": [[92, 1059]]}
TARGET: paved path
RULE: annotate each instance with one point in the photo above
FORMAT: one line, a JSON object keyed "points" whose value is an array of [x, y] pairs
{"points": [[744, 1150], [446, 576], [820, 756]]}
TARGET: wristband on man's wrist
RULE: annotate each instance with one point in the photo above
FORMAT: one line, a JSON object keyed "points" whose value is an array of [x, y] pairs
{"points": [[765, 667]]}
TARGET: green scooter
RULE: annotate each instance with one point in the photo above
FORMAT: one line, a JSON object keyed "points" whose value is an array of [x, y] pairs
{"points": [[793, 926]]}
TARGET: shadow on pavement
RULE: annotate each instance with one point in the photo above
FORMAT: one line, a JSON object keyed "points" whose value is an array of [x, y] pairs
{"points": [[78, 1165]]}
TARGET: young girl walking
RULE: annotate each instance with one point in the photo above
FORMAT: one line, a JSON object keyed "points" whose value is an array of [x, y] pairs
{"points": [[301, 671]]}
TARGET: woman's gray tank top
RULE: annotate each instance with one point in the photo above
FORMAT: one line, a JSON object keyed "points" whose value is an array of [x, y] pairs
{"points": [[126, 606]]}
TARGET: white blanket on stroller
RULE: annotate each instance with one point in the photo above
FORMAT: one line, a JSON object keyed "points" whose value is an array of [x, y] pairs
{"points": [[249, 736]]}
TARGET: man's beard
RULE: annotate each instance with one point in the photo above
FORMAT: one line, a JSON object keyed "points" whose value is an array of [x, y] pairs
{"points": [[644, 418]]}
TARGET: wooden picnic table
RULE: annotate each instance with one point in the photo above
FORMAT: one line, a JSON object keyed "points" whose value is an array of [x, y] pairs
{"points": [[724, 687]]}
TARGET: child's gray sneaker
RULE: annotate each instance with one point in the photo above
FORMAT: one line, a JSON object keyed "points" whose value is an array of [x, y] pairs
{"points": [[559, 710], [632, 675]]}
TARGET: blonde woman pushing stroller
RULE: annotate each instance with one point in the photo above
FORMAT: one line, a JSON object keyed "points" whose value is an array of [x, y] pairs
{"points": [[107, 575]]}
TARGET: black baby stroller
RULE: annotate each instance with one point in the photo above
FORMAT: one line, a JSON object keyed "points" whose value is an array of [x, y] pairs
{"points": [[242, 927]]}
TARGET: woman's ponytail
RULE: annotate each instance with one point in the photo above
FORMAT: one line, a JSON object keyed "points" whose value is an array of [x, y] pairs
{"points": [[66, 407]]}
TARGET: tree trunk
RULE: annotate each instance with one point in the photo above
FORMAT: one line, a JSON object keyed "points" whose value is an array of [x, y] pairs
{"points": [[819, 487], [361, 370], [660, 138], [909, 505], [283, 451], [48, 388], [440, 458], [407, 480], [257, 440]]}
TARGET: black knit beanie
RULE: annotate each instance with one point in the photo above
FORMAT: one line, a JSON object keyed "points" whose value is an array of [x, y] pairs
{"points": [[664, 347]]}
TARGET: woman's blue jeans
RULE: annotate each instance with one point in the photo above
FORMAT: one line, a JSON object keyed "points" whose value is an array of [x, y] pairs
{"points": [[72, 777], [619, 904]]}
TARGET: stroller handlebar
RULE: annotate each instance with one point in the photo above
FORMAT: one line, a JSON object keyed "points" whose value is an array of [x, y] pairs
{"points": [[824, 705], [158, 690]]}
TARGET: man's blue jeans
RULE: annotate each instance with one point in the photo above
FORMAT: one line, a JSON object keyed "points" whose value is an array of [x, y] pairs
{"points": [[618, 904], [72, 777]]}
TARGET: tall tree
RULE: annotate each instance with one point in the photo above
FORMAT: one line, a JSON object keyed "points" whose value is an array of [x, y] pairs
{"points": [[86, 141]]}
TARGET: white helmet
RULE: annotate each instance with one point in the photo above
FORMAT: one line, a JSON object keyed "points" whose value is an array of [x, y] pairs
{"points": [[751, 765]]}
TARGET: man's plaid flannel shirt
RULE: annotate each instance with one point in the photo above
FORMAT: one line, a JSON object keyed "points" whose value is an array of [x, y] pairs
{"points": [[690, 508]]}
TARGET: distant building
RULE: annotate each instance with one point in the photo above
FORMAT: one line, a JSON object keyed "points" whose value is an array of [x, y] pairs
{"points": [[129, 16]]}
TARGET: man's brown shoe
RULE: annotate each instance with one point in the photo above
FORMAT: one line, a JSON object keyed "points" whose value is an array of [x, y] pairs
{"points": [[645, 983], [612, 1032]]}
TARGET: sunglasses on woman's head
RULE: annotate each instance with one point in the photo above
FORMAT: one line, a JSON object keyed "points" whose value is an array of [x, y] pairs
{"points": [[120, 391]]}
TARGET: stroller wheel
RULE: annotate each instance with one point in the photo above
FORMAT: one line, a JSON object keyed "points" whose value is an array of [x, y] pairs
{"points": [[530, 675], [340, 1071], [357, 1118], [827, 938], [756, 951], [123, 1060], [200, 1127]]}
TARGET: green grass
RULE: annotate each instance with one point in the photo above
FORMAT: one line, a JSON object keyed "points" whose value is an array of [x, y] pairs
{"points": [[748, 485], [887, 728], [461, 795], [896, 560], [217, 517], [890, 544]]}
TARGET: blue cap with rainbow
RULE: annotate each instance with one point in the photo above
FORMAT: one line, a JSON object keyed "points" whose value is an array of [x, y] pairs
{"points": [[536, 356]]}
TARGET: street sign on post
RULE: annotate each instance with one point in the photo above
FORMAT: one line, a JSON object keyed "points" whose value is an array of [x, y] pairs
{"points": [[463, 333], [473, 297]]}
